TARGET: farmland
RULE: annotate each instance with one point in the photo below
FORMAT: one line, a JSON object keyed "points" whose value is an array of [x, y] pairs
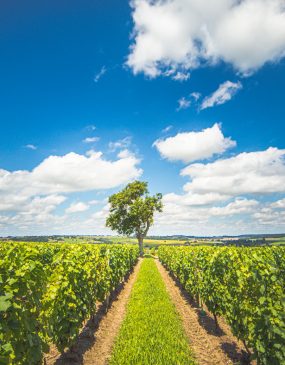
{"points": [[155, 241], [51, 293], [48, 291]]}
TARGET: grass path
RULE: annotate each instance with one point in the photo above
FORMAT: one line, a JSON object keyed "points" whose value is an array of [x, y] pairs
{"points": [[152, 332]]}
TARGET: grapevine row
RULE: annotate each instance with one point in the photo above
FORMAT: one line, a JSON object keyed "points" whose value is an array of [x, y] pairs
{"points": [[47, 291], [244, 285]]}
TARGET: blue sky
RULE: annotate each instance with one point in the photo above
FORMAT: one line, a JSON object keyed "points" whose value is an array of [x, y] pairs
{"points": [[88, 87]]}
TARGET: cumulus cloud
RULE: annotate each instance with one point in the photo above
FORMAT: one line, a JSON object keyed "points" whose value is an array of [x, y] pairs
{"points": [[224, 93], [77, 208], [258, 172], [65, 174], [279, 204], [29, 199], [219, 197], [74, 172], [238, 206], [193, 199], [125, 154], [269, 217], [193, 146], [180, 35]]}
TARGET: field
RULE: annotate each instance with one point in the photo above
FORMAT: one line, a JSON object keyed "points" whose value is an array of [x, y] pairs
{"points": [[71, 303]]}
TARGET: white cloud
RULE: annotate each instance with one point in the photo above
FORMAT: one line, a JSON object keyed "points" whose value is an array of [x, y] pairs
{"points": [[192, 199], [238, 206], [167, 129], [120, 144], [180, 35], [33, 215], [279, 204], [94, 202], [195, 95], [218, 199], [29, 199], [186, 102], [65, 174], [270, 218], [91, 139], [239, 216], [125, 154], [183, 103], [258, 172], [74, 172], [191, 146], [224, 93], [23, 203], [77, 208], [181, 76], [31, 147], [100, 74]]}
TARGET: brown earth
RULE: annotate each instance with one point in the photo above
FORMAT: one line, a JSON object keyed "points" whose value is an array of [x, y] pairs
{"points": [[94, 344], [210, 346]]}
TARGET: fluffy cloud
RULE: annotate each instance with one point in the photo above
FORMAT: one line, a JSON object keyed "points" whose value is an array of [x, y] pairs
{"points": [[74, 172], [29, 199], [77, 208], [192, 199], [224, 93], [24, 190], [192, 146], [178, 35], [235, 217], [238, 206], [270, 218], [219, 197], [259, 172], [279, 204]]}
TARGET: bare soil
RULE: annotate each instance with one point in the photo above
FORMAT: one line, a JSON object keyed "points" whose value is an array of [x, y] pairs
{"points": [[96, 339], [210, 346]]}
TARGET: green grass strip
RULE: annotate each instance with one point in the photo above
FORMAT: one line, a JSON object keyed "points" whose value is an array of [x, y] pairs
{"points": [[151, 333]]}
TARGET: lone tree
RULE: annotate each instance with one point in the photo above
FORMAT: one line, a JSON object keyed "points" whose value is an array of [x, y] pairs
{"points": [[132, 211]]}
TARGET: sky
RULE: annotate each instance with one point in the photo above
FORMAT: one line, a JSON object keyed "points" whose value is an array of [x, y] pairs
{"points": [[184, 94]]}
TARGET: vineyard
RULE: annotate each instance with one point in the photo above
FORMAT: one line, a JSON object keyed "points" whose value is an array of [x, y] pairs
{"points": [[246, 286], [47, 291]]}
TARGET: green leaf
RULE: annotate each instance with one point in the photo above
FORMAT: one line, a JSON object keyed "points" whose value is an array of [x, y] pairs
{"points": [[5, 303]]}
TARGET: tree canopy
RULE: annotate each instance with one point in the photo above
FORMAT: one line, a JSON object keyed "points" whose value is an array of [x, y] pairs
{"points": [[132, 210]]}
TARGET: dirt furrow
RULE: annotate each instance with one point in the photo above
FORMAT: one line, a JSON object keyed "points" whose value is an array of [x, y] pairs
{"points": [[210, 347]]}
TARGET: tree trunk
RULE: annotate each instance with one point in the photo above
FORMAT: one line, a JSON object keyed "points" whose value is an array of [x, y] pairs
{"points": [[140, 239]]}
